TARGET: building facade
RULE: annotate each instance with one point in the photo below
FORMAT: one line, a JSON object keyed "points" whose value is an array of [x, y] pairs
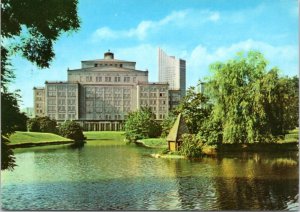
{"points": [[101, 93], [39, 101], [173, 72]]}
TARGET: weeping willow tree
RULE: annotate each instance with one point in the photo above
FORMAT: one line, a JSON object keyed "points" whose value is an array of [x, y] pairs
{"points": [[245, 95]]}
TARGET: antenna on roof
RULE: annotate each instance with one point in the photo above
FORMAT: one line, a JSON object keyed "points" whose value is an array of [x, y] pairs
{"points": [[109, 50]]}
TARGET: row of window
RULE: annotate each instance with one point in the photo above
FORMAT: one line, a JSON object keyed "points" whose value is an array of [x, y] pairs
{"points": [[62, 116], [107, 110], [61, 108], [153, 102], [152, 89], [107, 79], [116, 65], [151, 95], [71, 88], [61, 93]]}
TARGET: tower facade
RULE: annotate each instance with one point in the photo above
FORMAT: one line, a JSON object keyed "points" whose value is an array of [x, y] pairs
{"points": [[172, 71]]}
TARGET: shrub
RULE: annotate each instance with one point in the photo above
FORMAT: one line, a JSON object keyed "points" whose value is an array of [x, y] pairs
{"points": [[42, 124], [211, 132], [72, 130], [141, 124], [191, 146]]}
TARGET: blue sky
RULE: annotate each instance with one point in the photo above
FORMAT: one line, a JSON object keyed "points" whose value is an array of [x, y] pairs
{"points": [[199, 31]]}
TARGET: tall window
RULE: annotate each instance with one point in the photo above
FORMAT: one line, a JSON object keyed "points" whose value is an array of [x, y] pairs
{"points": [[126, 79], [117, 79], [98, 79]]}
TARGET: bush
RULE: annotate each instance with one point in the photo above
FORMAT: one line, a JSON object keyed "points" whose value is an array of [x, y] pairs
{"points": [[211, 132], [141, 124], [72, 130], [42, 124], [191, 146]]}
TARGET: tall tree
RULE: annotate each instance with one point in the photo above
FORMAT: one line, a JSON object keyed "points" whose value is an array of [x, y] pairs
{"points": [[247, 98], [30, 28], [195, 108]]}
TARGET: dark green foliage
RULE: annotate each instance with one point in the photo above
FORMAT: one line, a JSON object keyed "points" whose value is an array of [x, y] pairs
{"points": [[211, 132], [191, 146], [72, 130], [7, 155], [283, 112], [195, 109], [141, 124], [167, 124], [7, 74], [37, 24], [42, 124], [30, 28], [11, 117]]}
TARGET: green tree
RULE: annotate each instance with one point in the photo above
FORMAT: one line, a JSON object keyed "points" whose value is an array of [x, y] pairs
{"points": [[141, 124], [32, 26], [29, 27], [42, 124], [283, 113], [195, 108], [11, 119], [242, 92], [7, 155], [72, 130]]}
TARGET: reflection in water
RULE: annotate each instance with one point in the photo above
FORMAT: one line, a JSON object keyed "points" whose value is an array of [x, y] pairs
{"points": [[113, 176]]}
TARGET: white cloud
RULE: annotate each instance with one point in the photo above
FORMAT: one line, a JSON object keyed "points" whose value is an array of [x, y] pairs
{"points": [[284, 57], [214, 16], [104, 33], [183, 18], [199, 58]]}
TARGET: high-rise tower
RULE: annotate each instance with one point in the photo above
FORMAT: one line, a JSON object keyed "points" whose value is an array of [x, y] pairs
{"points": [[172, 71]]}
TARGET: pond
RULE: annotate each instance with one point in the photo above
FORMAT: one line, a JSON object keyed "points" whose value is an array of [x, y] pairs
{"points": [[106, 175]]}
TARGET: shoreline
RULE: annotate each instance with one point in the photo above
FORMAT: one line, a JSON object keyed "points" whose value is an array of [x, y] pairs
{"points": [[24, 145], [211, 151]]}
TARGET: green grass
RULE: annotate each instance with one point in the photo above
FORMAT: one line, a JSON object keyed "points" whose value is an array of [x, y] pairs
{"points": [[105, 135], [35, 137], [292, 136], [155, 142]]}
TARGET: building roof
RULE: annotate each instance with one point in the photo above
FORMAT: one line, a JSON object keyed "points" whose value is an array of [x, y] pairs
{"points": [[178, 129], [38, 88], [106, 68], [61, 82], [108, 60]]}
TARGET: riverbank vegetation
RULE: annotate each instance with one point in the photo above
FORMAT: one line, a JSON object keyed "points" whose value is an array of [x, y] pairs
{"points": [[244, 106]]}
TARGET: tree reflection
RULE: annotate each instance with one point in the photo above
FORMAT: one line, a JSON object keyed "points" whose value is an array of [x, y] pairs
{"points": [[244, 182]]}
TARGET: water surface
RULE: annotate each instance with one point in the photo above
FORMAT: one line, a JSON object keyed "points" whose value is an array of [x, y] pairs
{"points": [[106, 175]]}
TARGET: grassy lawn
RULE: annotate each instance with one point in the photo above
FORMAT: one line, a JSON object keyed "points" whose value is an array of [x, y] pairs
{"points": [[155, 142], [292, 136], [105, 135], [35, 137]]}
